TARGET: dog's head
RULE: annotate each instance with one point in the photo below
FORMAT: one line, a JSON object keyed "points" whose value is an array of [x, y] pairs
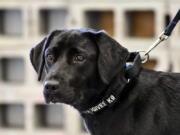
{"points": [[77, 65]]}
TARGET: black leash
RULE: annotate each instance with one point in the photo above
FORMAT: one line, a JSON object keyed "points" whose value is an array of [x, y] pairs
{"points": [[164, 36], [172, 24]]}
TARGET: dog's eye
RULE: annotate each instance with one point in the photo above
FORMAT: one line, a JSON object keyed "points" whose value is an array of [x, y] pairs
{"points": [[50, 58], [78, 58]]}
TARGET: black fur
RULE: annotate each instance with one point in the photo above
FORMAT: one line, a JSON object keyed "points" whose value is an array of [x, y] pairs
{"points": [[149, 105]]}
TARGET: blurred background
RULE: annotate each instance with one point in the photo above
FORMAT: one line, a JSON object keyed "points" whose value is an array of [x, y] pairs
{"points": [[23, 23]]}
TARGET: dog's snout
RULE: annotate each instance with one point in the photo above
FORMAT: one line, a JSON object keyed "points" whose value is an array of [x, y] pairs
{"points": [[51, 85]]}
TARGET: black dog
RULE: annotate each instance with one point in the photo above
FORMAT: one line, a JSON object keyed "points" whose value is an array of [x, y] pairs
{"points": [[88, 70]]}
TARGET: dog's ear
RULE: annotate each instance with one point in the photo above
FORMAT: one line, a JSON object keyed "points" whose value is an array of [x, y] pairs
{"points": [[112, 56], [37, 54]]}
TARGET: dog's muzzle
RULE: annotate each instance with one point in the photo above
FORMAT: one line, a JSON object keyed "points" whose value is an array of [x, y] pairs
{"points": [[50, 89]]}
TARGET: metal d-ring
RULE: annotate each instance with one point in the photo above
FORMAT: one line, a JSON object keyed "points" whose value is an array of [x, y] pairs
{"points": [[144, 56]]}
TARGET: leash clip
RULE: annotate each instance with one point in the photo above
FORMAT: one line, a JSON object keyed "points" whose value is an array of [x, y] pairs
{"points": [[144, 56], [161, 38]]}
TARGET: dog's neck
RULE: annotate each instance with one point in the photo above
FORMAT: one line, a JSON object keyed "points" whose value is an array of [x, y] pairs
{"points": [[101, 120], [117, 85], [110, 96]]}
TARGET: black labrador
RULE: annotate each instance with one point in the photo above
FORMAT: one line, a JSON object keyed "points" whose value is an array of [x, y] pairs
{"points": [[88, 70]]}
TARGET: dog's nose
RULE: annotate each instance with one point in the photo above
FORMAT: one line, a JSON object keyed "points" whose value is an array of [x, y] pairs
{"points": [[51, 85]]}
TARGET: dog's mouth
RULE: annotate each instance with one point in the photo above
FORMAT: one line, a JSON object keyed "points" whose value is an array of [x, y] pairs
{"points": [[58, 97], [51, 99]]}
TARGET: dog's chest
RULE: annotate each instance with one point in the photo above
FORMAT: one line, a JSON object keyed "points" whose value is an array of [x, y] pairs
{"points": [[105, 126]]}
